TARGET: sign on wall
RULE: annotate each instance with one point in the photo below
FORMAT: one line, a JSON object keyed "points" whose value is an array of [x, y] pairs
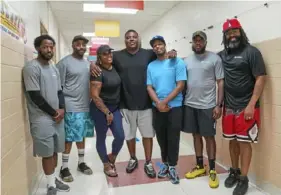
{"points": [[12, 23], [107, 28], [95, 43], [131, 4], [92, 58]]}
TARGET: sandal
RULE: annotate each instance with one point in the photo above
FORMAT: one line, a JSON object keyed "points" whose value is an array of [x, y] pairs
{"points": [[109, 170], [111, 160]]}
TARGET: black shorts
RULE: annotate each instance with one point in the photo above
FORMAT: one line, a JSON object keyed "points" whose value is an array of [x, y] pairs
{"points": [[199, 121]]}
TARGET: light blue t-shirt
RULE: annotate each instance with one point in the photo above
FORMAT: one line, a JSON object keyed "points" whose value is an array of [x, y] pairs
{"points": [[163, 75]]}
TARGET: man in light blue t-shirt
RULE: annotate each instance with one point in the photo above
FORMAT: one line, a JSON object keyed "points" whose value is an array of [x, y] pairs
{"points": [[165, 82]]}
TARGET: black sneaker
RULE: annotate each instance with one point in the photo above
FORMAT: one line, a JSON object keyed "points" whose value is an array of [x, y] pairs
{"points": [[149, 170], [65, 175], [132, 165], [232, 178], [82, 167], [242, 186]]}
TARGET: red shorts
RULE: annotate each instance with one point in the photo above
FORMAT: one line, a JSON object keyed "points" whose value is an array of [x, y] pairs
{"points": [[236, 127]]}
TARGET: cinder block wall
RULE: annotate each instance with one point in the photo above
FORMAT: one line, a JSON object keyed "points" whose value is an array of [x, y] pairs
{"points": [[20, 171], [266, 163]]}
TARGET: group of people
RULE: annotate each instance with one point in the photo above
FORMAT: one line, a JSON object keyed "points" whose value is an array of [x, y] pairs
{"points": [[151, 90]]}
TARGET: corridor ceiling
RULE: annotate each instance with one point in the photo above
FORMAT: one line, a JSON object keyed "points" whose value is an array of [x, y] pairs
{"points": [[73, 21]]}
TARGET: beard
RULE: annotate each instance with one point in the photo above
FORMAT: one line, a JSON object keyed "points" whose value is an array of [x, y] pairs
{"points": [[234, 44], [80, 53], [200, 51], [45, 57]]}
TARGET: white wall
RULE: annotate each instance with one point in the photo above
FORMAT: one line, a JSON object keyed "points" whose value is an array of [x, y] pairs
{"points": [[32, 13], [260, 23], [64, 49]]}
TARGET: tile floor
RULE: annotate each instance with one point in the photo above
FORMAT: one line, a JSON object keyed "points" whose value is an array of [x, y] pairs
{"points": [[137, 183]]}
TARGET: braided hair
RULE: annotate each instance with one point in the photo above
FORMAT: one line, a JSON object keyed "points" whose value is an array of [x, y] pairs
{"points": [[243, 40]]}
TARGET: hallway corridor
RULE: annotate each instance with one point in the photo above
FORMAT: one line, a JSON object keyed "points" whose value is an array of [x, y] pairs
{"points": [[137, 183]]}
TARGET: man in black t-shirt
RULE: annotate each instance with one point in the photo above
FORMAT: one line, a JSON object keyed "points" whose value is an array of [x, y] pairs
{"points": [[135, 104], [244, 82]]}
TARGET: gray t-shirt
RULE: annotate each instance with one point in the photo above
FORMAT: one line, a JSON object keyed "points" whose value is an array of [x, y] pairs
{"points": [[203, 71], [46, 79], [75, 76]]}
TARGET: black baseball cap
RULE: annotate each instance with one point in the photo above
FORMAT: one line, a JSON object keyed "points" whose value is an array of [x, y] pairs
{"points": [[200, 34], [80, 37], [103, 48], [157, 38]]}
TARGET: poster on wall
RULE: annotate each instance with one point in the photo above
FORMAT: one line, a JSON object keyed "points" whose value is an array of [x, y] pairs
{"points": [[107, 28], [92, 58], [12, 23], [95, 43]]}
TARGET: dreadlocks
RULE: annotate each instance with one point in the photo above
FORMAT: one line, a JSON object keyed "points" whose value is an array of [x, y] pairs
{"points": [[243, 39]]}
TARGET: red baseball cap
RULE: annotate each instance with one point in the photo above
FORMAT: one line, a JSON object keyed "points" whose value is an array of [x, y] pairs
{"points": [[230, 24]]}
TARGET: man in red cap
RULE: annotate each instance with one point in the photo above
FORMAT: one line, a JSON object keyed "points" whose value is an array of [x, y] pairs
{"points": [[244, 82]]}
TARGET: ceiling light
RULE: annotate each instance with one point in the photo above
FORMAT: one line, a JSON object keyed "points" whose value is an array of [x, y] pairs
{"points": [[89, 34], [102, 9]]}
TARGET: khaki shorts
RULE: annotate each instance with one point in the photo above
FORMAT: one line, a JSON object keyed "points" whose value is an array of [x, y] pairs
{"points": [[137, 119]]}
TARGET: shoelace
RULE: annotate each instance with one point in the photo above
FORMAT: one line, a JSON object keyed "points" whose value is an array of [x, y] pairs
{"points": [[131, 162], [231, 173], [240, 183], [173, 172], [163, 168], [213, 176], [150, 167], [59, 182], [66, 171], [84, 166]]}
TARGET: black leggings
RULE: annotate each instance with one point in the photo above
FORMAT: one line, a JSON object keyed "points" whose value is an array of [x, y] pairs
{"points": [[168, 126]]}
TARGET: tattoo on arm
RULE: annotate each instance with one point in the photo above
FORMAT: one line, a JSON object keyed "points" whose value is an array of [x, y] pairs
{"points": [[95, 93], [220, 84]]}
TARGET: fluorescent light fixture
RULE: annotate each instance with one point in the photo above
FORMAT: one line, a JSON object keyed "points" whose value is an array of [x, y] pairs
{"points": [[89, 34], [100, 8]]}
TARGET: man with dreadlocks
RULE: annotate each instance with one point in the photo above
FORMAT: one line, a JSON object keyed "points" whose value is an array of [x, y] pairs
{"points": [[244, 82]]}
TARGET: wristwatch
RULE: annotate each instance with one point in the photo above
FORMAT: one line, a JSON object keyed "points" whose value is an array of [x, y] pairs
{"points": [[108, 113], [220, 105]]}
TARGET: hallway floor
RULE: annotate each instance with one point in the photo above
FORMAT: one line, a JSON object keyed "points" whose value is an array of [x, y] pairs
{"points": [[137, 183]]}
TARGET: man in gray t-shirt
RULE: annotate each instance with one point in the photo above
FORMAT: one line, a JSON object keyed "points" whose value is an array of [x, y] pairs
{"points": [[45, 104], [202, 105], [75, 75]]}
